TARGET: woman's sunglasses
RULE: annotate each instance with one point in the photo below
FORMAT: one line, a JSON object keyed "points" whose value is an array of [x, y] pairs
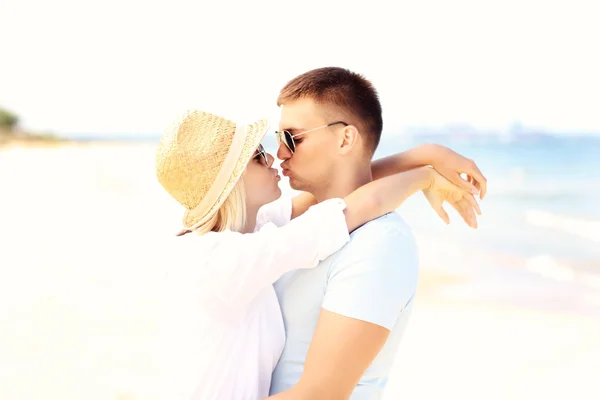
{"points": [[260, 155], [288, 139]]}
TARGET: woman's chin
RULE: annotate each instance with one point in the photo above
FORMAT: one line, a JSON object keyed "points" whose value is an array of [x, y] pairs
{"points": [[278, 192]]}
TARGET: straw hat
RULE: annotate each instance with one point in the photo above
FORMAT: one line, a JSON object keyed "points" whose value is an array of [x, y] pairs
{"points": [[201, 157]]}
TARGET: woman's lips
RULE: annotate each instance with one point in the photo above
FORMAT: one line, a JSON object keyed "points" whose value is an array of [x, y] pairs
{"points": [[277, 177]]}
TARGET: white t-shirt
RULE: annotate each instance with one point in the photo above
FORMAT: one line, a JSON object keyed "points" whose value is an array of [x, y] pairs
{"points": [[372, 278], [222, 331]]}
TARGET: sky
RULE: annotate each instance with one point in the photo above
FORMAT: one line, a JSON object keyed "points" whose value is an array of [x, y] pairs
{"points": [[130, 67]]}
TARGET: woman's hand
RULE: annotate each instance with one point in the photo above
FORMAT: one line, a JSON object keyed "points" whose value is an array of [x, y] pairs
{"points": [[463, 201], [451, 165]]}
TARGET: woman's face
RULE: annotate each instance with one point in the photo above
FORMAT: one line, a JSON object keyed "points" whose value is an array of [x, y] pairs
{"points": [[261, 180]]}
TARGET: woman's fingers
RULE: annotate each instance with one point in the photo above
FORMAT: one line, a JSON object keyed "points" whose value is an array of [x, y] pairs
{"points": [[470, 212], [471, 199], [443, 215], [466, 212]]}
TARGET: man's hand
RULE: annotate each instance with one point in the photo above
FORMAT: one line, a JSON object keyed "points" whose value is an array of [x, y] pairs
{"points": [[452, 165], [441, 189]]}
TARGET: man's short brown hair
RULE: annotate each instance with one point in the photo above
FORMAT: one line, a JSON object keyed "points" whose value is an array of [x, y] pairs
{"points": [[341, 91]]}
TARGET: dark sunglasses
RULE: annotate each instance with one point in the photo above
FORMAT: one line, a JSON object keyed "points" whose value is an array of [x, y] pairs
{"points": [[260, 155], [288, 139]]}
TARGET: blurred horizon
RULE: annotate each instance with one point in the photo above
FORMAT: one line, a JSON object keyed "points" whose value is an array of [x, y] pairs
{"points": [[457, 131], [129, 68], [512, 132]]}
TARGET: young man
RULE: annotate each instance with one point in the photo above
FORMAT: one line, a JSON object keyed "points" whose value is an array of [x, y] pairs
{"points": [[344, 319]]}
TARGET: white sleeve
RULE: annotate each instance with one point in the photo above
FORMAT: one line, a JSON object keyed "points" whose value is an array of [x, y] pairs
{"points": [[241, 265], [278, 212]]}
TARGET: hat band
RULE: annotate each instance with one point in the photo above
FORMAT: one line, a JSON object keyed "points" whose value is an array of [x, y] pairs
{"points": [[227, 168]]}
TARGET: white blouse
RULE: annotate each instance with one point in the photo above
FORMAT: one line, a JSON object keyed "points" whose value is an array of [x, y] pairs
{"points": [[222, 331]]}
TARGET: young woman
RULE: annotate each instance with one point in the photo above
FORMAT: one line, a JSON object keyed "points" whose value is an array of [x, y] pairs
{"points": [[222, 329]]}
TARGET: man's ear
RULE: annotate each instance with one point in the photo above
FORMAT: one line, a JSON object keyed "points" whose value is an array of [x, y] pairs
{"points": [[349, 139]]}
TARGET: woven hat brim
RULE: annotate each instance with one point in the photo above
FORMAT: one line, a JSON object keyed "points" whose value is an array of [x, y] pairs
{"points": [[255, 133]]}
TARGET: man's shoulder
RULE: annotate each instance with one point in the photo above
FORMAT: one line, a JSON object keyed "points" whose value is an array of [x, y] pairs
{"points": [[382, 243], [389, 221], [374, 276], [383, 234]]}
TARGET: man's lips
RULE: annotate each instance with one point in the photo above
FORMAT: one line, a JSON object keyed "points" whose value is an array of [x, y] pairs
{"points": [[285, 172]]}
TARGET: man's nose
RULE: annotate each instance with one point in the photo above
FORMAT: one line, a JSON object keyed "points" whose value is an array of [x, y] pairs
{"points": [[283, 153]]}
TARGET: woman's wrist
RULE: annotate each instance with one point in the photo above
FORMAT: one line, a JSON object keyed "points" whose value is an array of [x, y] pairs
{"points": [[426, 181], [415, 180]]}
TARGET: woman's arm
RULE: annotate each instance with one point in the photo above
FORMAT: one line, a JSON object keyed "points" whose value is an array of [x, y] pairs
{"points": [[447, 162], [391, 165], [385, 195], [241, 265]]}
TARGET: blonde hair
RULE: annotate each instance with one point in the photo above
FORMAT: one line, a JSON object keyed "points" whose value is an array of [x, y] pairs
{"points": [[231, 215]]}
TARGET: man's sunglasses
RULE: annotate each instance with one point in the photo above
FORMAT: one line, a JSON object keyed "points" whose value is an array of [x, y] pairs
{"points": [[260, 155], [288, 139]]}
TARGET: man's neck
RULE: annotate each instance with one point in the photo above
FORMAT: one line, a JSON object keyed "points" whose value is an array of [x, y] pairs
{"points": [[344, 182]]}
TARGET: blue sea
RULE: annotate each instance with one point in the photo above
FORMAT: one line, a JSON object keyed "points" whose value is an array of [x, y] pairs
{"points": [[543, 196], [538, 240]]}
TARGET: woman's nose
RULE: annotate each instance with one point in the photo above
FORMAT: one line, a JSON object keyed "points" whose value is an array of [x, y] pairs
{"points": [[270, 160]]}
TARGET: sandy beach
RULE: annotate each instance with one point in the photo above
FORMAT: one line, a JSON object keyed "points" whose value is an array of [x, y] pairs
{"points": [[82, 227]]}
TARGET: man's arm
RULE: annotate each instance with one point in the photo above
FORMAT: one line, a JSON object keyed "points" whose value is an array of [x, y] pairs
{"points": [[369, 289], [340, 352]]}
